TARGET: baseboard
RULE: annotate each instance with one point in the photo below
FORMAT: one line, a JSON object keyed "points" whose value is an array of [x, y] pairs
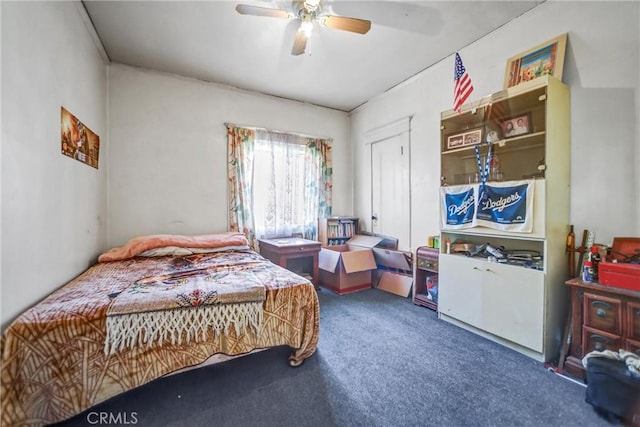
{"points": [[510, 344]]}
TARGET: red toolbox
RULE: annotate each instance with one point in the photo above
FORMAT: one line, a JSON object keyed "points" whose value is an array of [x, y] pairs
{"points": [[621, 274]]}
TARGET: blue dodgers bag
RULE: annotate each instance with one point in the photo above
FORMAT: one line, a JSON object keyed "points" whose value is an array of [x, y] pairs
{"points": [[507, 206], [459, 206]]}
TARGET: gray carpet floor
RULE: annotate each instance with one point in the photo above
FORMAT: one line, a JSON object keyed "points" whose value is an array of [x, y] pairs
{"points": [[381, 361]]}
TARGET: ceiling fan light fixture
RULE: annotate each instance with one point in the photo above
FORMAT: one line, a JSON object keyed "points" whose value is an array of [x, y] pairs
{"points": [[307, 12], [311, 5], [307, 27]]}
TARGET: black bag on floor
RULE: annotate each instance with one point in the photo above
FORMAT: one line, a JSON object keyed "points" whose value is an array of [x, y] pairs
{"points": [[613, 390]]}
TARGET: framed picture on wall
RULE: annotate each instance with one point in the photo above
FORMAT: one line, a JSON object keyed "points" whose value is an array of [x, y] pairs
{"points": [[77, 140], [545, 59]]}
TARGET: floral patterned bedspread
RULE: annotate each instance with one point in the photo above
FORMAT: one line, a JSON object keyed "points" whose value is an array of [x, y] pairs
{"points": [[53, 360]]}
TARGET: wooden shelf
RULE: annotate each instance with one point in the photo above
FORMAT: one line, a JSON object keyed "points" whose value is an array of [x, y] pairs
{"points": [[426, 267], [336, 230], [425, 301], [507, 145]]}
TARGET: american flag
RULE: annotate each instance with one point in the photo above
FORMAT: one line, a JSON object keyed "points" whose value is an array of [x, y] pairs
{"points": [[463, 87]]}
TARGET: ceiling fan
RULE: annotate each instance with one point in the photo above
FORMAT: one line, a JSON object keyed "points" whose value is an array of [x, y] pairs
{"points": [[308, 12]]}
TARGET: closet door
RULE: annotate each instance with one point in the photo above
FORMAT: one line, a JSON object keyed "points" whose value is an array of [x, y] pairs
{"points": [[390, 182]]}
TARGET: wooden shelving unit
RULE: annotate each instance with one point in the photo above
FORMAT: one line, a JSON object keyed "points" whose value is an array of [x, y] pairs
{"points": [[426, 272], [336, 230]]}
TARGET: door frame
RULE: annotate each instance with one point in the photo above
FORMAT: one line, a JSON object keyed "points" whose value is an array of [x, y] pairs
{"points": [[379, 134]]}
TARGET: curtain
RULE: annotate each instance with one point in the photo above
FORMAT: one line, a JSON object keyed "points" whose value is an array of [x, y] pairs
{"points": [[241, 143], [280, 184], [318, 184]]}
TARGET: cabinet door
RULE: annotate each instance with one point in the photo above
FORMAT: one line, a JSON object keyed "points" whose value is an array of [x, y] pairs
{"points": [[514, 304], [460, 288], [506, 301]]}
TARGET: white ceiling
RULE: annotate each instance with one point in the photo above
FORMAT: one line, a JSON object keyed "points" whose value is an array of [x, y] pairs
{"points": [[209, 40]]}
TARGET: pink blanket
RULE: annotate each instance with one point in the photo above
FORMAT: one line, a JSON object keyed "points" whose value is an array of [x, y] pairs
{"points": [[140, 244]]}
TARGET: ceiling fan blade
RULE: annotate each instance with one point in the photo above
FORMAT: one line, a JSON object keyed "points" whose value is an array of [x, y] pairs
{"points": [[355, 25], [300, 43], [245, 9]]}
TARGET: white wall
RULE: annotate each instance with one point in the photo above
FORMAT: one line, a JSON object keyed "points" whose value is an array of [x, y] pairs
{"points": [[602, 70], [53, 207], [168, 149]]}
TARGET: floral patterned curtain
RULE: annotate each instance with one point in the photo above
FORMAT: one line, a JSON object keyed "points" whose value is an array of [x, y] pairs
{"points": [[265, 198], [318, 184], [240, 170]]}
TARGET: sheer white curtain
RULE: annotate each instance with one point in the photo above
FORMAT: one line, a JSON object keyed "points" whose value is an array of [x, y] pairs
{"points": [[279, 184]]}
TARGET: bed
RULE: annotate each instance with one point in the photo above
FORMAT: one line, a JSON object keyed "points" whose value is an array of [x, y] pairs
{"points": [[105, 332]]}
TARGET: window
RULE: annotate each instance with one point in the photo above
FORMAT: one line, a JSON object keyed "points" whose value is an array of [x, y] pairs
{"points": [[278, 188], [280, 184]]}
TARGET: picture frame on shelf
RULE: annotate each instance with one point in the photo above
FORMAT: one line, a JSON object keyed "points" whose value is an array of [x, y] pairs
{"points": [[516, 126], [455, 141], [472, 137], [464, 139], [545, 58]]}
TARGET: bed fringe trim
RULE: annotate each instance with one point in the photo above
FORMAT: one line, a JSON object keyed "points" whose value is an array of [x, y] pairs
{"points": [[126, 331]]}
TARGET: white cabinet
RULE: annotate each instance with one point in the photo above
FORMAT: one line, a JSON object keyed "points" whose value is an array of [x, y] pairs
{"points": [[502, 299], [519, 304]]}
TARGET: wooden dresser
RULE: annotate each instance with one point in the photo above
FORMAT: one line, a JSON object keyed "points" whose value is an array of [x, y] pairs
{"points": [[603, 318]]}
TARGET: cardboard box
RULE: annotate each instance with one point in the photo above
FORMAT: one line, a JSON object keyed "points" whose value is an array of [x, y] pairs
{"points": [[394, 271], [347, 268]]}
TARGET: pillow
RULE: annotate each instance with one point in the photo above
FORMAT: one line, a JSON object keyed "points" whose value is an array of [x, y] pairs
{"points": [[220, 249], [177, 251], [165, 251], [140, 244]]}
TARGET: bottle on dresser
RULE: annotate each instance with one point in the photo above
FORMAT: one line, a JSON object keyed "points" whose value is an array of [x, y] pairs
{"points": [[594, 257], [587, 271]]}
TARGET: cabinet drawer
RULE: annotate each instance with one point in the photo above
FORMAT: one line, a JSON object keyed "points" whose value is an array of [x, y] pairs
{"points": [[632, 346], [633, 320], [428, 264], [594, 339], [603, 313]]}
